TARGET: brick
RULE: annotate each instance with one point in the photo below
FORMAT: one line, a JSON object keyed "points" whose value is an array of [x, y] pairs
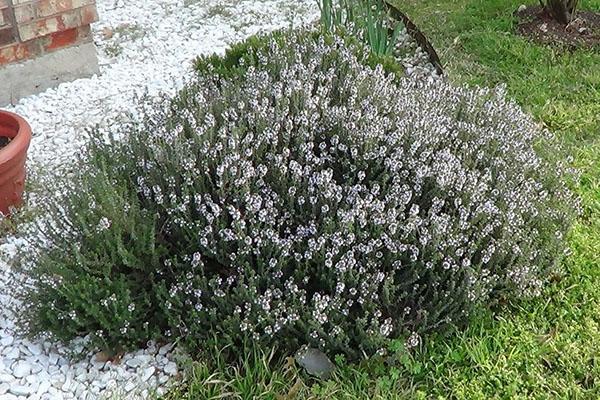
{"points": [[24, 13], [69, 37], [69, 19], [46, 8], [38, 28], [17, 52], [49, 25], [5, 17], [88, 14], [7, 54], [81, 3], [7, 36], [30, 28], [84, 33], [26, 32], [62, 39]]}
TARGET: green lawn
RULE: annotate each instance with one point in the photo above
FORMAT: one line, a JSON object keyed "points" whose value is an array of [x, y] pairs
{"points": [[548, 348]]}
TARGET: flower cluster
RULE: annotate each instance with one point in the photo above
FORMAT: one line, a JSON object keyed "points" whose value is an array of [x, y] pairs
{"points": [[316, 200]]}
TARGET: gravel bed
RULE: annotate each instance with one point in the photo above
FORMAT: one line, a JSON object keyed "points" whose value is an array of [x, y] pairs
{"points": [[144, 46]]}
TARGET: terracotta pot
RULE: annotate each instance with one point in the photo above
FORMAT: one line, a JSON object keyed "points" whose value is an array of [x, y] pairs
{"points": [[12, 159]]}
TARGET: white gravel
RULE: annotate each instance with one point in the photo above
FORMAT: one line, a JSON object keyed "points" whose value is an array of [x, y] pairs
{"points": [[152, 48], [144, 46]]}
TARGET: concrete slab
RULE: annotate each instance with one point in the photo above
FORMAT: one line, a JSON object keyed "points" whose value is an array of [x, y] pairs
{"points": [[36, 75]]}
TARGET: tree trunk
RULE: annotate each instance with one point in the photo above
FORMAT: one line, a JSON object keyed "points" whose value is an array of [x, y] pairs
{"points": [[558, 10], [562, 10]]}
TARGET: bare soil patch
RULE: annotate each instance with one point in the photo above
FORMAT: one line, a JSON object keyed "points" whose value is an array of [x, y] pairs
{"points": [[536, 24]]}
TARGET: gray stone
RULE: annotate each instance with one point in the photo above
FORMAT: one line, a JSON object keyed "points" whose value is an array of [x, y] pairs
{"points": [[52, 359], [129, 386], [133, 362], [165, 349], [315, 362], [32, 380], [43, 387], [55, 394]]}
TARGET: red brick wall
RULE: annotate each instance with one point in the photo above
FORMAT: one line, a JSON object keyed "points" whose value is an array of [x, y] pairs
{"points": [[30, 28]]}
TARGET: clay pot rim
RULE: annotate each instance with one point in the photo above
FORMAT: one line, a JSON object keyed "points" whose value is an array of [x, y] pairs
{"points": [[20, 140]]}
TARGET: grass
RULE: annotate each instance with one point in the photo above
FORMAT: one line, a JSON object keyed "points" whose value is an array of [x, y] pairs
{"points": [[548, 348], [476, 42]]}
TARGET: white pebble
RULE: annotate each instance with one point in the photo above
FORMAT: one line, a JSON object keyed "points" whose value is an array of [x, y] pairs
{"points": [[21, 390], [170, 368], [148, 372], [21, 369]]}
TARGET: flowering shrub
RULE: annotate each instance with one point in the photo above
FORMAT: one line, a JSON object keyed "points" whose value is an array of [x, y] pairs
{"points": [[305, 199]]}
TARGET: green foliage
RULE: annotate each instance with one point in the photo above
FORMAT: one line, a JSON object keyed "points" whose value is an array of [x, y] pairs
{"points": [[96, 273], [540, 349], [236, 60], [292, 195], [545, 348], [258, 374], [366, 19]]}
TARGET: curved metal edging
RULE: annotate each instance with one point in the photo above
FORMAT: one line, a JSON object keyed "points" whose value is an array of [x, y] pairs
{"points": [[416, 34]]}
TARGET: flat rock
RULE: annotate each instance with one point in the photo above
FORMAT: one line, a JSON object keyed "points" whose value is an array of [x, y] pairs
{"points": [[315, 362]]}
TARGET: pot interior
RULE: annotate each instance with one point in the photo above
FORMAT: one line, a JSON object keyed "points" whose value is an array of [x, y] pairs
{"points": [[9, 127]]}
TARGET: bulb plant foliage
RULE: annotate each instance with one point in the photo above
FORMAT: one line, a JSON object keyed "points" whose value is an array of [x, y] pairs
{"points": [[365, 19], [292, 194]]}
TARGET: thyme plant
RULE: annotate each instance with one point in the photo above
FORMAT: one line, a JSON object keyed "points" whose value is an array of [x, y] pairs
{"points": [[296, 195]]}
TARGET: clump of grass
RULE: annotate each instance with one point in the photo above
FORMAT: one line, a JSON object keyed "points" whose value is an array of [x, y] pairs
{"points": [[257, 374]]}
